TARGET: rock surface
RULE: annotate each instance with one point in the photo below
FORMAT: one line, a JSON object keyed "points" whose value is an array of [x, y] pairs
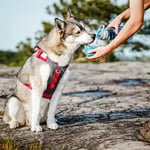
{"points": [[101, 107]]}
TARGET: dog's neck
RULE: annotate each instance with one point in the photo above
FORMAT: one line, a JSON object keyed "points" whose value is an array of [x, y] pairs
{"points": [[57, 50]]}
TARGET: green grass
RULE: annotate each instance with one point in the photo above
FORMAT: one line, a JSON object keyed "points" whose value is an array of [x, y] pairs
{"points": [[34, 146], [10, 144]]}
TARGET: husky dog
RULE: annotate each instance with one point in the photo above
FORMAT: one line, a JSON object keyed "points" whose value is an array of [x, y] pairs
{"points": [[41, 80]]}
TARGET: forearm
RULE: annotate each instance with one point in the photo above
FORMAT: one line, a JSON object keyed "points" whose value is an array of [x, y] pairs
{"points": [[132, 25], [134, 16], [125, 33], [126, 14]]}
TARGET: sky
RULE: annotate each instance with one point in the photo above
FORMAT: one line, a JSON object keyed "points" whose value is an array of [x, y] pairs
{"points": [[20, 19]]}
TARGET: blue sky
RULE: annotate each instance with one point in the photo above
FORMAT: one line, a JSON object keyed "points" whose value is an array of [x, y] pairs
{"points": [[20, 19]]}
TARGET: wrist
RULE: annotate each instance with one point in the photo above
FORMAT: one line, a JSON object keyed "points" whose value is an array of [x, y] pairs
{"points": [[111, 46]]}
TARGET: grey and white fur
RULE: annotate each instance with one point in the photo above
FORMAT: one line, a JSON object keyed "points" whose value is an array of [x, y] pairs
{"points": [[28, 107]]}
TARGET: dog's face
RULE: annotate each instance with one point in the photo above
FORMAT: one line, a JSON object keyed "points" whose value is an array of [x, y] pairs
{"points": [[73, 32]]}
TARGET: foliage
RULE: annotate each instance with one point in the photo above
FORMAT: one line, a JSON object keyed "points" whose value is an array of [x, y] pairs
{"points": [[91, 12], [34, 146], [18, 58], [10, 144]]}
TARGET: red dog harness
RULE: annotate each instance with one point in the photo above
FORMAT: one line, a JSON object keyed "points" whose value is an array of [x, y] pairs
{"points": [[56, 74]]}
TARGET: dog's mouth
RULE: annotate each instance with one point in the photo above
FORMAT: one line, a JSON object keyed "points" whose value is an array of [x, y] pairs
{"points": [[91, 41], [93, 36], [87, 43]]}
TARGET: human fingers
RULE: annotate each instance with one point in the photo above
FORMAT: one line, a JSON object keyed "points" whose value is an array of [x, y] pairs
{"points": [[117, 29], [94, 57], [96, 54]]}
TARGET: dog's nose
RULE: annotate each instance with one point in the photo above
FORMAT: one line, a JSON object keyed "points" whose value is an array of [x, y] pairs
{"points": [[93, 36]]}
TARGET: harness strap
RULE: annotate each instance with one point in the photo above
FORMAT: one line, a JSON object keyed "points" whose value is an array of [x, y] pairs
{"points": [[53, 84], [56, 75], [28, 86], [48, 93], [42, 55]]}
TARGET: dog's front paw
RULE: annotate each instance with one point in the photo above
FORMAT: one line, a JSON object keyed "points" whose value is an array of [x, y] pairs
{"points": [[36, 129], [13, 124], [53, 126]]}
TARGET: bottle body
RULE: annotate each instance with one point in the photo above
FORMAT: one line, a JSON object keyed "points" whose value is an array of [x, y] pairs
{"points": [[106, 34]]}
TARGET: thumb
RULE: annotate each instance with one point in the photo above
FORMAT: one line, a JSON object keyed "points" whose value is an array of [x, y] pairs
{"points": [[92, 51]]}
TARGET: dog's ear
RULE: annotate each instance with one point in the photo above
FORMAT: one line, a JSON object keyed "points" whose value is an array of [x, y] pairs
{"points": [[69, 14], [60, 25]]}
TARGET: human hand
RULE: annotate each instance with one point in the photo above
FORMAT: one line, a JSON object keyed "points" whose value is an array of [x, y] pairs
{"points": [[99, 52], [115, 24]]}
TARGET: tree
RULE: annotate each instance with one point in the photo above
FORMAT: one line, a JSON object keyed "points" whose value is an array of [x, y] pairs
{"points": [[91, 12]]}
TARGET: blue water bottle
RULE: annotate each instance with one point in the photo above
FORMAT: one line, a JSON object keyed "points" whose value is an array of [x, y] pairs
{"points": [[102, 34], [107, 34]]}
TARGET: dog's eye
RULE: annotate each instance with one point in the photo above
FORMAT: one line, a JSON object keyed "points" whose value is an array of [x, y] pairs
{"points": [[78, 32]]}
